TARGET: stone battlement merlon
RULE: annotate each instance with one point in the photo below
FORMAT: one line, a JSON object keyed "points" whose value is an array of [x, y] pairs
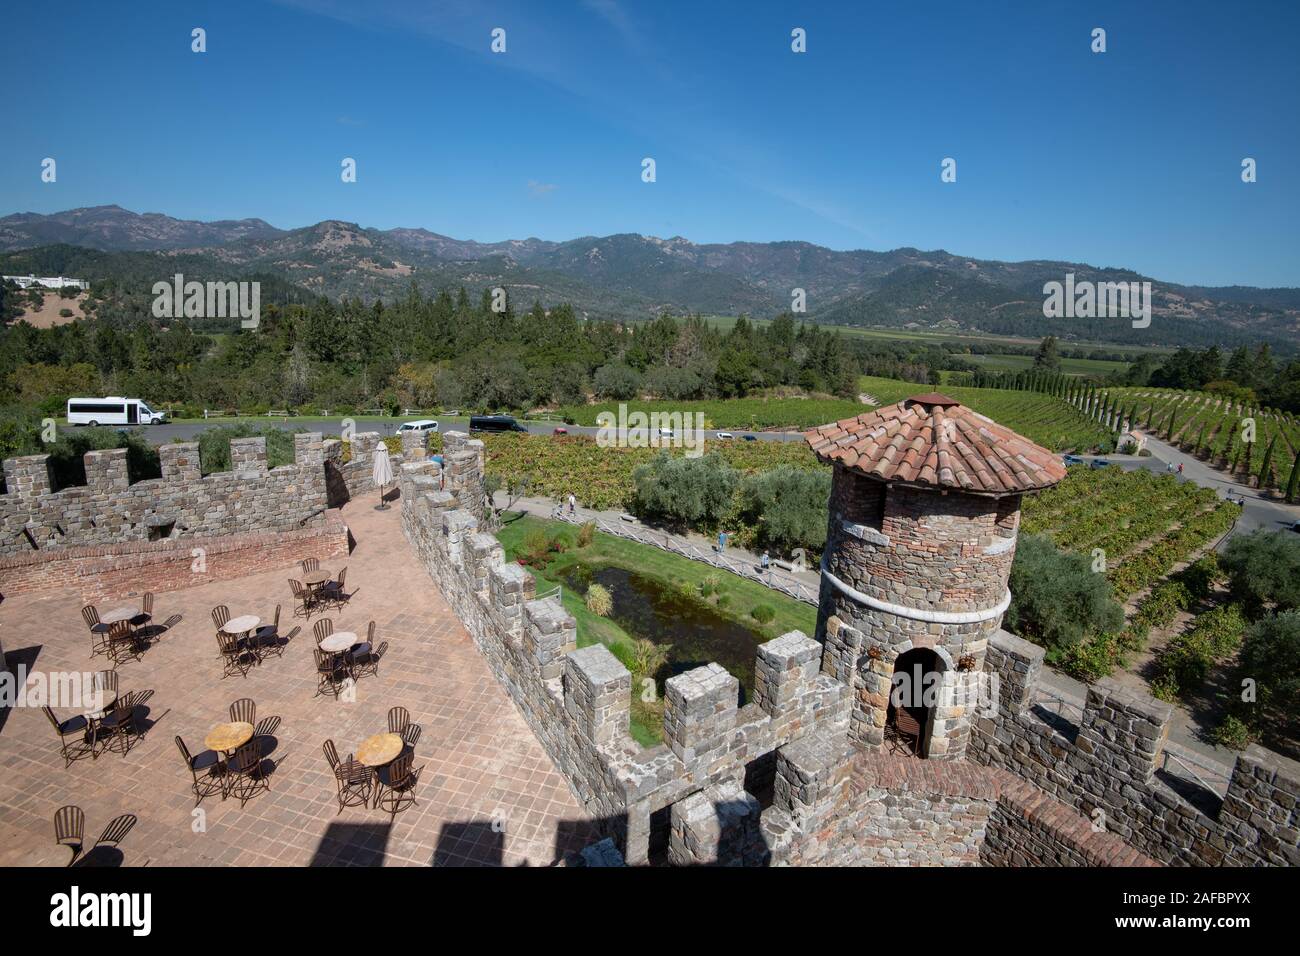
{"points": [[1110, 771], [110, 509]]}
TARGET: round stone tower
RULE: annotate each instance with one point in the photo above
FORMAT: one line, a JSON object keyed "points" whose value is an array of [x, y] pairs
{"points": [[924, 511]]}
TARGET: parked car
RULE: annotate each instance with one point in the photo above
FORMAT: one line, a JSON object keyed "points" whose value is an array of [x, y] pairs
{"points": [[419, 425], [1296, 526], [1072, 460], [560, 430], [725, 436], [665, 433], [1099, 463], [750, 437], [494, 423]]}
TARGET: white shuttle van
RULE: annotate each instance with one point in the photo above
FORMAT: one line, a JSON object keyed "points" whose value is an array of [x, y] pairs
{"points": [[113, 410]]}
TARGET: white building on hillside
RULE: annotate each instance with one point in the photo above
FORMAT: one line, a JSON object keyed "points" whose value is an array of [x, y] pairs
{"points": [[49, 282]]}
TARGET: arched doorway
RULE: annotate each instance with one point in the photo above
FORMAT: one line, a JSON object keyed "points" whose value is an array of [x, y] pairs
{"points": [[913, 698]]}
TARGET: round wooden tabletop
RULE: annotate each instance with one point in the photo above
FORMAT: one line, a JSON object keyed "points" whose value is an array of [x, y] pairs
{"points": [[317, 577], [379, 750], [107, 699], [241, 625], [226, 737], [119, 614], [338, 642]]}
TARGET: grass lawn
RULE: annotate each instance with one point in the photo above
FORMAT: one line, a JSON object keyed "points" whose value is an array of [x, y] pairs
{"points": [[669, 570]]}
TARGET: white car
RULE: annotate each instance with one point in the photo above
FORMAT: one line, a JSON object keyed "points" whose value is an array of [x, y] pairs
{"points": [[725, 436], [665, 433], [421, 425]]}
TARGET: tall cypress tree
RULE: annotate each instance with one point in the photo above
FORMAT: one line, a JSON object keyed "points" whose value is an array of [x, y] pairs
{"points": [[1294, 481], [1266, 466]]}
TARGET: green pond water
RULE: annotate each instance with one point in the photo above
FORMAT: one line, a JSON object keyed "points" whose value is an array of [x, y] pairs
{"points": [[695, 633]]}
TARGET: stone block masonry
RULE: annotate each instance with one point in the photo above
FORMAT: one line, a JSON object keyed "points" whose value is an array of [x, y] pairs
{"points": [[103, 573], [685, 800], [109, 510], [577, 700], [1106, 770]]}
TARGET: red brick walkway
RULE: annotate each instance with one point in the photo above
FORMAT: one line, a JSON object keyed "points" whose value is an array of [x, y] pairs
{"points": [[488, 793]]}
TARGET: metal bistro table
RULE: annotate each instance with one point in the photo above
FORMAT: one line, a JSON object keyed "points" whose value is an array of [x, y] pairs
{"points": [[227, 738], [338, 642], [241, 626], [316, 580], [123, 613], [379, 750]]}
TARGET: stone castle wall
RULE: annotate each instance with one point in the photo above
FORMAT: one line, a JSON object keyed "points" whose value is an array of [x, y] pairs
{"points": [[111, 572], [1106, 769], [831, 802], [577, 700], [109, 510]]}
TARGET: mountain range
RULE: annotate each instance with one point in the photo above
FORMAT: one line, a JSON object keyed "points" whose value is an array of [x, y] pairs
{"points": [[630, 277]]}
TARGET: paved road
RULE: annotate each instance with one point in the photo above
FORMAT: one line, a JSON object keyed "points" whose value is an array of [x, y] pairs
{"points": [[1260, 511], [188, 431]]}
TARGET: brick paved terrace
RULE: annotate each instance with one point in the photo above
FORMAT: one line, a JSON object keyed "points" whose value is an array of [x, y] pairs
{"points": [[488, 793]]}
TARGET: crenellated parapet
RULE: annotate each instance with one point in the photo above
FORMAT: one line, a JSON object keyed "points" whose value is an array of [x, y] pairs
{"points": [[110, 510], [1026, 791], [578, 700], [1111, 765]]}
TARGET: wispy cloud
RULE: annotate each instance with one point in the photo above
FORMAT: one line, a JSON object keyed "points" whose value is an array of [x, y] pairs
{"points": [[459, 24]]}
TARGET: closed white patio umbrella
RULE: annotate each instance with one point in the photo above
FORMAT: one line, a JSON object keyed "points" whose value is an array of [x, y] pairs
{"points": [[383, 474]]}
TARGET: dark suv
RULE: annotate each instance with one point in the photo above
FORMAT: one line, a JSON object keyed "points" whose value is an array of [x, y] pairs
{"points": [[494, 423]]}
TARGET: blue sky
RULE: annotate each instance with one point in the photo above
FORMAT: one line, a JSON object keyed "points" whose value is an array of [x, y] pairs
{"points": [[1127, 158]]}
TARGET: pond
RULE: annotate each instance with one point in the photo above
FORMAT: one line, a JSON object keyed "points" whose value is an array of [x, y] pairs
{"points": [[695, 632]]}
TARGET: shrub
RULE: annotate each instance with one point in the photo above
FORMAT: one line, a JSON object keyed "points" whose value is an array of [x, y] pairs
{"points": [[617, 381], [586, 533], [535, 546], [1090, 659], [647, 657], [1233, 733], [214, 446], [684, 490], [68, 465], [1263, 570], [763, 613], [1270, 656], [1186, 661], [788, 505], [599, 600], [1165, 688], [1056, 598]]}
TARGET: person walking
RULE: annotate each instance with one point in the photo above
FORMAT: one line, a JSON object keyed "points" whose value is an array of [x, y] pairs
{"points": [[573, 504], [722, 541], [1180, 467], [765, 562]]}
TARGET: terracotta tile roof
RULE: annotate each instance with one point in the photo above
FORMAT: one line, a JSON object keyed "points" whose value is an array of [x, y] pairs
{"points": [[932, 441]]}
